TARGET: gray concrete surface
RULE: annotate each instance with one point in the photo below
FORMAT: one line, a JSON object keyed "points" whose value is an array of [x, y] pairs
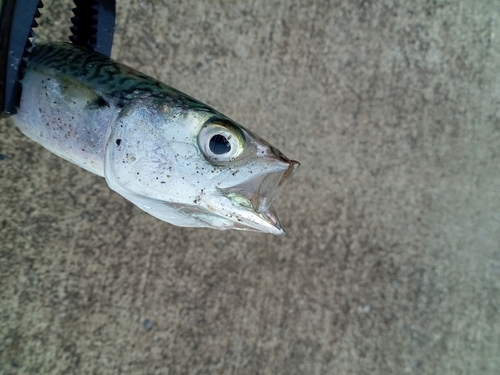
{"points": [[391, 263]]}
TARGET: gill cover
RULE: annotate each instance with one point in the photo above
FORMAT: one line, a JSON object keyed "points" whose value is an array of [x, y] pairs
{"points": [[146, 159]]}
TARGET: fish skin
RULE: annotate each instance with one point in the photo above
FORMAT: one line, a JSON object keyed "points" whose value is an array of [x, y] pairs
{"points": [[171, 155]]}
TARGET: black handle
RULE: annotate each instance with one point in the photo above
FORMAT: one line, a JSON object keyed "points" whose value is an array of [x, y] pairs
{"points": [[17, 18], [94, 25]]}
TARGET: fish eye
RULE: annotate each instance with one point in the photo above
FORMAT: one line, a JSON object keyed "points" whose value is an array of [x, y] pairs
{"points": [[219, 145], [220, 141]]}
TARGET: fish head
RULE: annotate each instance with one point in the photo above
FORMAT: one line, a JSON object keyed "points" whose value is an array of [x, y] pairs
{"points": [[196, 168]]}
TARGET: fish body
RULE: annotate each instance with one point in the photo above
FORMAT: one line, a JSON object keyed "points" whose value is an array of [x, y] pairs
{"points": [[171, 155]]}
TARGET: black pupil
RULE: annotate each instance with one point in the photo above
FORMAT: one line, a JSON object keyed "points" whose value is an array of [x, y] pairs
{"points": [[219, 145]]}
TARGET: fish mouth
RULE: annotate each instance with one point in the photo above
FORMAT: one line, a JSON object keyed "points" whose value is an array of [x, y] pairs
{"points": [[257, 195]]}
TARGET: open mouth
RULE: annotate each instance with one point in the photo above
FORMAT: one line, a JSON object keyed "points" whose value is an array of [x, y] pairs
{"points": [[266, 188], [261, 191]]}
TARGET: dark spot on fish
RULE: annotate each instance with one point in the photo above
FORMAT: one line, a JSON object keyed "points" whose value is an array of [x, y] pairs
{"points": [[2, 157], [118, 142], [98, 103], [120, 104], [101, 102]]}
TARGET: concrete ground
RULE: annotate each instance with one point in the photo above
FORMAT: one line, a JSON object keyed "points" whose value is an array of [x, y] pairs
{"points": [[391, 262]]}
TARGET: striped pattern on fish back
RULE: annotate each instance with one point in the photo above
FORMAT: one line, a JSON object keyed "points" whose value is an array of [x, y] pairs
{"points": [[105, 75]]}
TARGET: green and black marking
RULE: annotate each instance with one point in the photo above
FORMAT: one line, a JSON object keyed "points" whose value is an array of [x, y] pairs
{"points": [[108, 77]]}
